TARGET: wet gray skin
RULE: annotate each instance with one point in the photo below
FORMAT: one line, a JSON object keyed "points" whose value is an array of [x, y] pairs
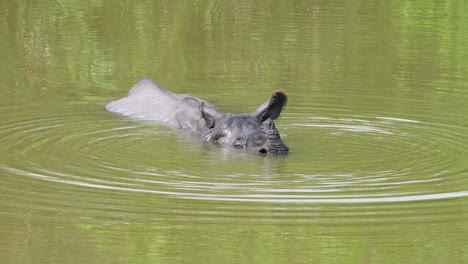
{"points": [[254, 132]]}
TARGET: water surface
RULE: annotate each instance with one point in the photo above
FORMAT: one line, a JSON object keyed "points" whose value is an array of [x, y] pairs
{"points": [[376, 124]]}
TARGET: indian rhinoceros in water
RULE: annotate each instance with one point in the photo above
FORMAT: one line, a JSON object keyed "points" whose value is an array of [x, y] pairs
{"points": [[254, 132]]}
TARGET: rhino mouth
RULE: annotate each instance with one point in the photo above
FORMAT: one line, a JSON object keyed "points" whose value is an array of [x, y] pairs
{"points": [[276, 149], [276, 152]]}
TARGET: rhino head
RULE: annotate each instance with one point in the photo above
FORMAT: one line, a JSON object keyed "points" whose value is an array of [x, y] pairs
{"points": [[254, 132]]}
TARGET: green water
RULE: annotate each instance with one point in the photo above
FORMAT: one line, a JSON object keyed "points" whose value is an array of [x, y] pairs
{"points": [[376, 123]]}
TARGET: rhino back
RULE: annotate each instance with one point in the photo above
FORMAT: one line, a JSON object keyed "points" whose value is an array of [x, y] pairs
{"points": [[148, 100]]}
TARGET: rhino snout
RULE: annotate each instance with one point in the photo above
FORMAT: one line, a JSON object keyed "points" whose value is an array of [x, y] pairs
{"points": [[274, 146]]}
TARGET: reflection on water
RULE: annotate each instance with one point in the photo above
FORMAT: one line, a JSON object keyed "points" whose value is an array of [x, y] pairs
{"points": [[376, 124]]}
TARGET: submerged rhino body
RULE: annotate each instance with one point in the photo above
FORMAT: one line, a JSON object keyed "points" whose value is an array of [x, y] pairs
{"points": [[254, 132]]}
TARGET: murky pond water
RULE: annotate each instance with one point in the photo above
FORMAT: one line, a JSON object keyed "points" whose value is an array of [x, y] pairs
{"points": [[376, 124]]}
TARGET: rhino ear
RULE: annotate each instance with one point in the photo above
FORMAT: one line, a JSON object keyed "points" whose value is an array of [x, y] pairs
{"points": [[210, 115], [272, 108]]}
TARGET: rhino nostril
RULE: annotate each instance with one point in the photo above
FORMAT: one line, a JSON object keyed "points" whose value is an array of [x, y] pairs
{"points": [[262, 150]]}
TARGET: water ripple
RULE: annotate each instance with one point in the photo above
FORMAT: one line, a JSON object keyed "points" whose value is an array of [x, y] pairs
{"points": [[113, 164]]}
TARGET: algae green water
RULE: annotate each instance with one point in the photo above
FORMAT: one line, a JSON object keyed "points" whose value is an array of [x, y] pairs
{"points": [[376, 123]]}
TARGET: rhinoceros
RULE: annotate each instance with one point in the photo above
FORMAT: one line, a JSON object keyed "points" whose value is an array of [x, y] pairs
{"points": [[255, 132]]}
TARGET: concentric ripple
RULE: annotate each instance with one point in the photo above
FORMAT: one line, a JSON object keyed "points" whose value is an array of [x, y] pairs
{"points": [[84, 161]]}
